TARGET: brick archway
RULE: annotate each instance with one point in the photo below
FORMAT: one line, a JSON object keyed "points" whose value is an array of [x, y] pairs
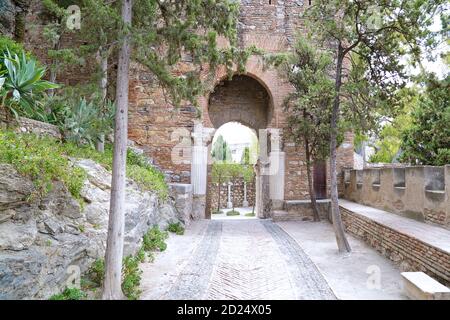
{"points": [[243, 99]]}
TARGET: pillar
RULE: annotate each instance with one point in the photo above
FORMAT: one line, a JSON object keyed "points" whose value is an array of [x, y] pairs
{"points": [[229, 201], [277, 170], [245, 202], [199, 166]]}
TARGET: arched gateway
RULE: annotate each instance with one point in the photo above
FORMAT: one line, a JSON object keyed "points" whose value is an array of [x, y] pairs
{"points": [[247, 100], [177, 139]]}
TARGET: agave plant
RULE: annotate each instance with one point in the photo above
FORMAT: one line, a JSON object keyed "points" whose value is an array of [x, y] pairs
{"points": [[23, 84], [87, 122], [80, 122]]}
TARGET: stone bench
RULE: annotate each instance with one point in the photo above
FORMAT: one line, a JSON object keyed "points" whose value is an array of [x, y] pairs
{"points": [[420, 286]]}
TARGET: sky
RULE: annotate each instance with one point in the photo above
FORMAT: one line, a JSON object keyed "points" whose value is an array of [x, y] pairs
{"points": [[234, 132]]}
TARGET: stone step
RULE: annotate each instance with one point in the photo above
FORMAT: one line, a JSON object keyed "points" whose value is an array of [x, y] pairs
{"points": [[282, 215], [420, 286]]}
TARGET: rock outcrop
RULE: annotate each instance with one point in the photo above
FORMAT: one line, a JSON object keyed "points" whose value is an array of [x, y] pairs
{"points": [[43, 242]]}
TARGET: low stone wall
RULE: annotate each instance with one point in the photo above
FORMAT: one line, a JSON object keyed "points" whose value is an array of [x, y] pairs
{"points": [[419, 192], [408, 252], [237, 194], [25, 125]]}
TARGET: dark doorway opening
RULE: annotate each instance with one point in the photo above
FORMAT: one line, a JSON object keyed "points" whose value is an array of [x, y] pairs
{"points": [[320, 180]]}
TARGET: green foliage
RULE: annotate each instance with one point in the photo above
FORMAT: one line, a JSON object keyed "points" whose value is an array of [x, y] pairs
{"points": [[191, 27], [7, 44], [23, 85], [250, 214], [153, 179], [374, 37], [217, 212], [221, 150], [69, 294], [246, 156], [79, 122], [427, 141], [131, 276], [307, 69], [176, 228], [86, 121], [233, 213], [45, 159], [96, 272], [155, 239], [389, 139], [42, 159], [149, 179]]}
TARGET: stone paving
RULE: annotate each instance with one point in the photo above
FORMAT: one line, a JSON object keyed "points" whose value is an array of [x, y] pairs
{"points": [[245, 259]]}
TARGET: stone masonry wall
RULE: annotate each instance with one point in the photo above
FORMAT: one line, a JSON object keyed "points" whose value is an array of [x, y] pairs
{"points": [[410, 253], [237, 192]]}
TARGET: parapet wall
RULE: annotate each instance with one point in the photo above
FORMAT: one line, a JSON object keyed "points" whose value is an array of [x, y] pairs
{"points": [[418, 192]]}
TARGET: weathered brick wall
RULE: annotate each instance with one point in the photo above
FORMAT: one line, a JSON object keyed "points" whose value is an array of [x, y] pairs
{"points": [[409, 253], [243, 99], [237, 192]]}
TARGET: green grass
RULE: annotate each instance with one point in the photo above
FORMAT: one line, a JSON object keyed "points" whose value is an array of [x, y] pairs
{"points": [[233, 213], [45, 160], [250, 214], [217, 212]]}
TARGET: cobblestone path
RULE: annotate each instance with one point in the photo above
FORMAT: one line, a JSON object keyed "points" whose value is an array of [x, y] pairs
{"points": [[248, 259]]}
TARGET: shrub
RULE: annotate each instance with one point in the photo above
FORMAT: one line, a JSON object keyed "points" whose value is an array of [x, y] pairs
{"points": [[149, 179], [97, 272], [69, 294], [13, 47], [217, 212], [176, 228], [154, 239], [86, 121], [131, 276], [250, 214], [46, 159], [42, 159], [233, 213]]}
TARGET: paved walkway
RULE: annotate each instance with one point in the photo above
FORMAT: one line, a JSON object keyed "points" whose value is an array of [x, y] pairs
{"points": [[433, 235], [241, 259]]}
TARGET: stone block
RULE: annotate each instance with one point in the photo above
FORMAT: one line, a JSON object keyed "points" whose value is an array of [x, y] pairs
{"points": [[420, 286]]}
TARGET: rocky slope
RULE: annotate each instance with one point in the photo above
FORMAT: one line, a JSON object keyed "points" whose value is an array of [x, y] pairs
{"points": [[43, 242]]}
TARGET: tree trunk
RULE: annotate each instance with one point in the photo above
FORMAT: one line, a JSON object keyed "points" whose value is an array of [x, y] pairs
{"points": [[20, 19], [103, 84], [312, 192], [338, 226], [114, 245]]}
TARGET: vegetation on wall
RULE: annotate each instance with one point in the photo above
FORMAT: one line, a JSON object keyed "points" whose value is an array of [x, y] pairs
{"points": [[46, 159]]}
